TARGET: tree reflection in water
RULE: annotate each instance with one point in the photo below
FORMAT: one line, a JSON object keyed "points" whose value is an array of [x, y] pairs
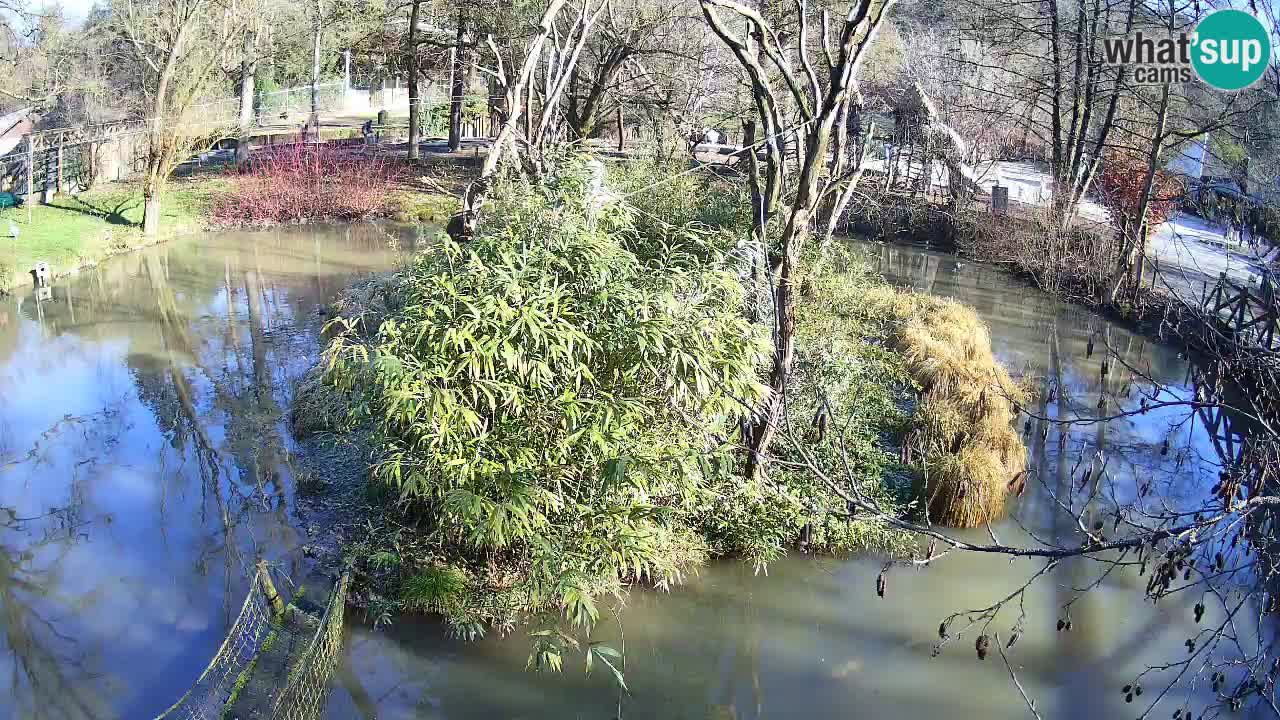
{"points": [[48, 665], [177, 475]]}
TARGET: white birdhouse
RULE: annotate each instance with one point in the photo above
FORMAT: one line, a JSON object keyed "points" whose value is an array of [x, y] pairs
{"points": [[40, 273]]}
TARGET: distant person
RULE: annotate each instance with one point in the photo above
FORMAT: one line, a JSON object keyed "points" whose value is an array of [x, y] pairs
{"points": [[367, 131]]}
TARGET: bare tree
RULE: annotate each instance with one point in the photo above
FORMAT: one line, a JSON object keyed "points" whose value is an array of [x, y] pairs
{"points": [[511, 140], [1040, 66], [175, 44], [819, 103], [614, 70]]}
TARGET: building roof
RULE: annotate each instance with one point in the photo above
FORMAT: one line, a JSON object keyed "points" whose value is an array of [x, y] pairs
{"points": [[12, 127]]}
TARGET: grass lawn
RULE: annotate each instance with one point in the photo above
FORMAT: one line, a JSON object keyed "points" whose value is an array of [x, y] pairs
{"points": [[71, 232]]}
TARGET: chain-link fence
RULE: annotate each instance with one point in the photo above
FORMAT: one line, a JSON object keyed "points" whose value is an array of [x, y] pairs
{"points": [[294, 102]]}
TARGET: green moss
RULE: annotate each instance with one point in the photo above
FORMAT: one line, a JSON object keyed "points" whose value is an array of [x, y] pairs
{"points": [[270, 642], [425, 208], [242, 680]]}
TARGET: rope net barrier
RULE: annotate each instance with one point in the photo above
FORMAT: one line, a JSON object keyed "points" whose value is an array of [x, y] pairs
{"points": [[302, 696], [209, 694]]}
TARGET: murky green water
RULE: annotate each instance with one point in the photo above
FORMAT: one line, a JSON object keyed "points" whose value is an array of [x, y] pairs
{"points": [[144, 464], [811, 639]]}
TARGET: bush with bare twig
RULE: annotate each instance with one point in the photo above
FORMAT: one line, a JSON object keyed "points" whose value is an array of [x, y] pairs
{"points": [[299, 183]]}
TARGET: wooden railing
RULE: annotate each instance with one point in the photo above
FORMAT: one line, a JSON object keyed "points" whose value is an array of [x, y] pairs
{"points": [[1248, 314]]}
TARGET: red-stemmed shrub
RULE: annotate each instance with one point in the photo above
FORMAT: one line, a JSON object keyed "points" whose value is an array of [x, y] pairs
{"points": [[1121, 186], [297, 183]]}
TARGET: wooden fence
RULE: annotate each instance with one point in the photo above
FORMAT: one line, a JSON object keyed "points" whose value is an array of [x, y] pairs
{"points": [[1247, 314], [70, 159]]}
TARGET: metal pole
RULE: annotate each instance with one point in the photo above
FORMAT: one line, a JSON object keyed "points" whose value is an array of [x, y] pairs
{"points": [[346, 61]]}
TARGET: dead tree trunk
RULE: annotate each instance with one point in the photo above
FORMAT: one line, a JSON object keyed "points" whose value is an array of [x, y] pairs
{"points": [[462, 226]]}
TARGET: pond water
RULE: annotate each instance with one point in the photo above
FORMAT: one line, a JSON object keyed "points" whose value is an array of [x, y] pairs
{"points": [[144, 464], [811, 638]]}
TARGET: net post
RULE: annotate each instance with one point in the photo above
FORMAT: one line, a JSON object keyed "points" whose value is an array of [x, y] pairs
{"points": [[269, 589]]}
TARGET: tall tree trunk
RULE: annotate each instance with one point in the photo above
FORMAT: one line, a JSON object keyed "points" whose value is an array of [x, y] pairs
{"points": [[457, 85], [314, 121], [1059, 174], [150, 209], [622, 131], [153, 182], [248, 80], [158, 148], [1132, 245], [414, 101]]}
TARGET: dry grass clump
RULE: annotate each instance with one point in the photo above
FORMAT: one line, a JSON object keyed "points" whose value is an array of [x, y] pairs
{"points": [[317, 405], [963, 443], [367, 303]]}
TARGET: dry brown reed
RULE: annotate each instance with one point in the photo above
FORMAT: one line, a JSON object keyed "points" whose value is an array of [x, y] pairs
{"points": [[963, 442]]}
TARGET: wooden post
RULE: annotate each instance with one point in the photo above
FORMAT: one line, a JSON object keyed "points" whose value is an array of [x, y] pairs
{"points": [[50, 178], [60, 176], [620, 126], [31, 169], [268, 587]]}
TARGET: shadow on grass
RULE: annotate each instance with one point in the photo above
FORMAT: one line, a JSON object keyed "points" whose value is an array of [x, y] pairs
{"points": [[114, 215]]}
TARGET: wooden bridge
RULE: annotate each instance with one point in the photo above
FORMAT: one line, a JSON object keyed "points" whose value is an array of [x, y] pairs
{"points": [[275, 662], [1246, 314]]}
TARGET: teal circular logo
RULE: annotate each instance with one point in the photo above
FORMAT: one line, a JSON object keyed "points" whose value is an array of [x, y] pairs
{"points": [[1231, 49]]}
